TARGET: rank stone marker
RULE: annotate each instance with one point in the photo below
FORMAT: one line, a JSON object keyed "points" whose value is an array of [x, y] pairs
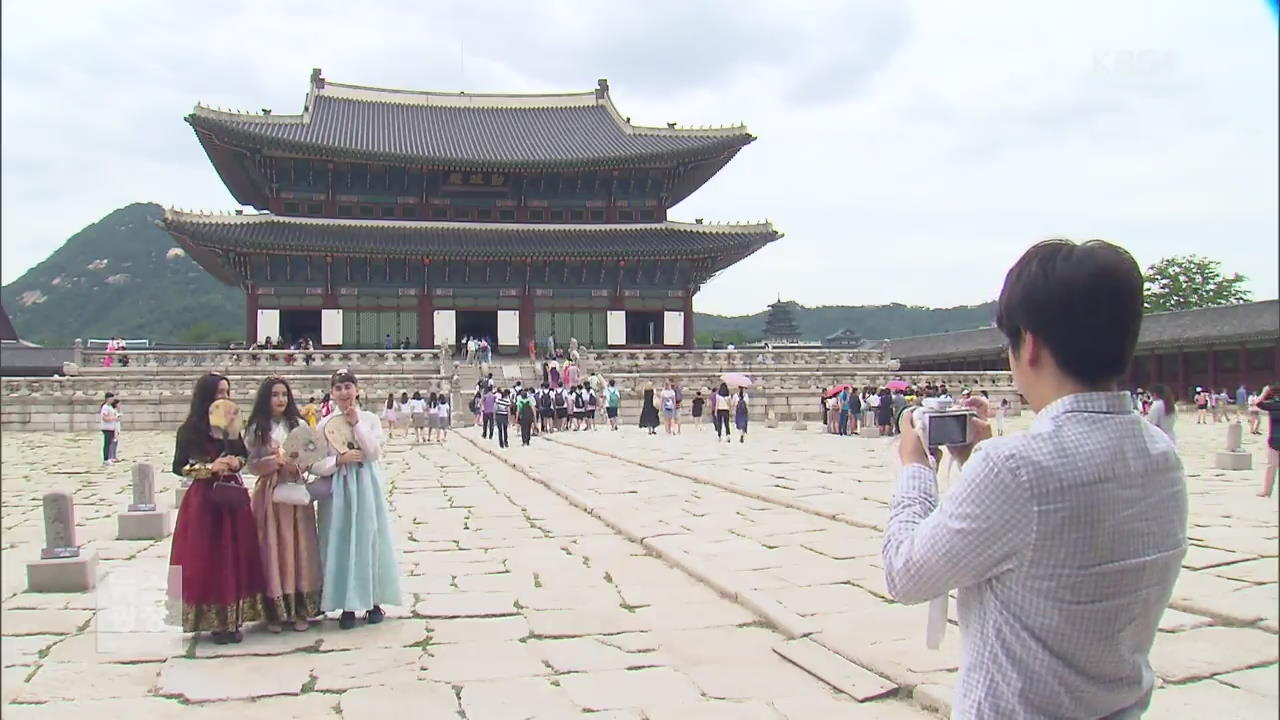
{"points": [[61, 567], [143, 521], [1234, 457]]}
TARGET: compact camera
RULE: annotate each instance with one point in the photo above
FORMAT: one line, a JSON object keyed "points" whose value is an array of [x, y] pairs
{"points": [[941, 423]]}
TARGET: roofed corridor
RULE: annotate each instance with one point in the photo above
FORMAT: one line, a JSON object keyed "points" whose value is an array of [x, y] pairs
{"points": [[532, 597]]}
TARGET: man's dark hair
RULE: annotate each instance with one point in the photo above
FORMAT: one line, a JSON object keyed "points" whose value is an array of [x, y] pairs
{"points": [[1084, 302]]}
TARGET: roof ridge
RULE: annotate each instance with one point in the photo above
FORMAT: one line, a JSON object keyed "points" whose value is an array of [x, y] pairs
{"points": [[237, 216]]}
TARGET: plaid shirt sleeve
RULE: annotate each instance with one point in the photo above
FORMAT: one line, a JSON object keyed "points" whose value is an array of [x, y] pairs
{"points": [[986, 521]]}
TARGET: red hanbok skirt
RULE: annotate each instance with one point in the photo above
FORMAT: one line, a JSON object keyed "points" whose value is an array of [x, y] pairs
{"points": [[215, 555]]}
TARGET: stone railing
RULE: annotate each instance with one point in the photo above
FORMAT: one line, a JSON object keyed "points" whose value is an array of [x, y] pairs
{"points": [[186, 361], [748, 360]]}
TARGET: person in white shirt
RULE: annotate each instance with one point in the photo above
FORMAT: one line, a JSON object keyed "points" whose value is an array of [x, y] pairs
{"points": [[418, 415], [109, 423], [1063, 542], [1162, 412]]}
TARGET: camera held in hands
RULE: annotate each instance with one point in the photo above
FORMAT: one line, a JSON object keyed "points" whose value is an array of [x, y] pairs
{"points": [[941, 423]]}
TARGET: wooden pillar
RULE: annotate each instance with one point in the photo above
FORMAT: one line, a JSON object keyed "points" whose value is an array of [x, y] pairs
{"points": [[1182, 374], [1242, 366], [250, 315], [527, 325], [688, 320], [1213, 370]]}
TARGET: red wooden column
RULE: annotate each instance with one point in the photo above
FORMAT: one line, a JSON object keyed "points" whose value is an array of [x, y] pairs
{"points": [[1182, 374], [1243, 366], [426, 309], [688, 320], [527, 325], [251, 315], [1213, 371]]}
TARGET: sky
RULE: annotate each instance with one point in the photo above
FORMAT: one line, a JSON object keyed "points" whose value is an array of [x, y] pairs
{"points": [[910, 151]]}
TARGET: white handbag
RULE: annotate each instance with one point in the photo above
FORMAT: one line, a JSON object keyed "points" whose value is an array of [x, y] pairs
{"points": [[290, 493]]}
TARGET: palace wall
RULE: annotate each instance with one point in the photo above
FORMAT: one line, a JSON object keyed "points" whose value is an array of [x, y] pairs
{"points": [[155, 387]]}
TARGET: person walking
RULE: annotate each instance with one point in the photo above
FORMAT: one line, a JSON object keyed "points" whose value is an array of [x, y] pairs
{"points": [[1255, 414], [109, 423], [502, 415], [741, 414], [699, 403], [720, 412], [488, 406], [612, 400], [525, 415], [418, 415], [649, 411], [668, 408]]}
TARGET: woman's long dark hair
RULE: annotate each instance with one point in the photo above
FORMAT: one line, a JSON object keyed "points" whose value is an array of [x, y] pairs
{"points": [[723, 390], [1161, 392], [202, 396], [391, 401], [260, 419]]}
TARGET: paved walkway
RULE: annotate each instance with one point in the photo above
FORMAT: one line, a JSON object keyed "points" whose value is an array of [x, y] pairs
{"points": [[609, 575], [523, 606]]}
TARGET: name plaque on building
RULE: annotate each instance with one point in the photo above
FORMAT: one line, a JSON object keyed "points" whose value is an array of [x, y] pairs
{"points": [[265, 291], [630, 293], [543, 292], [599, 293], [675, 293], [315, 291], [348, 291], [443, 291], [408, 291], [509, 292]]}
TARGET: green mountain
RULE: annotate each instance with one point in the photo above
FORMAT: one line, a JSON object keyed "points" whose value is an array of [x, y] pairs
{"points": [[872, 322], [122, 276]]}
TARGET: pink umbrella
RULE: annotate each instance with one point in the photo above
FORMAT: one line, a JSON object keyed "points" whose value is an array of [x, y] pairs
{"points": [[897, 385], [736, 380]]}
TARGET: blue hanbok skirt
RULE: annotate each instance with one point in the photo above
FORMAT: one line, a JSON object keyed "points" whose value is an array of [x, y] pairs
{"points": [[360, 568]]}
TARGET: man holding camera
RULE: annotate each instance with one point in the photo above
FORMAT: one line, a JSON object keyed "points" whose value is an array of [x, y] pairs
{"points": [[1063, 542]]}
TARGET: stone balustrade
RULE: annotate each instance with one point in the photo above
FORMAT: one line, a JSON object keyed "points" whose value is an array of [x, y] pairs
{"points": [[734, 360], [186, 361]]}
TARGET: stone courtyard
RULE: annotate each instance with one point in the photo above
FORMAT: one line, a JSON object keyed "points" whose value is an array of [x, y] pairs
{"points": [[608, 575]]}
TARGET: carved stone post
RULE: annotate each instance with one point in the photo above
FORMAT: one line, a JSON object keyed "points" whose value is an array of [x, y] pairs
{"points": [[61, 567], [143, 521], [1234, 457]]}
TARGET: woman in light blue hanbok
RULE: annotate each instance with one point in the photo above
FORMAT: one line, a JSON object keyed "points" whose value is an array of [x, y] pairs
{"points": [[360, 568]]}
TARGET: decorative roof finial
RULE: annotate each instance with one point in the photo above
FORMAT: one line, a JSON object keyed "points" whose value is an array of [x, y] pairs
{"points": [[316, 80], [602, 89]]}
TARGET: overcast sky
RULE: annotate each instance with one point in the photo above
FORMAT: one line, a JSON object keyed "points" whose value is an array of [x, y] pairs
{"points": [[909, 151]]}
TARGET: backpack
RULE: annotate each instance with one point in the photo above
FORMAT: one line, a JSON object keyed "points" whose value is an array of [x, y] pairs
{"points": [[578, 402], [544, 400], [559, 399]]}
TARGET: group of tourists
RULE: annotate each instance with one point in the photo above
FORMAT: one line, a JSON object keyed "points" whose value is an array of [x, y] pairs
{"points": [[115, 353], [544, 409], [271, 555], [430, 415], [476, 351], [848, 409]]}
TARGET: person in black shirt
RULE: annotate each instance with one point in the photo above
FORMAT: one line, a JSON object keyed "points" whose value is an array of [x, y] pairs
{"points": [[1269, 402]]}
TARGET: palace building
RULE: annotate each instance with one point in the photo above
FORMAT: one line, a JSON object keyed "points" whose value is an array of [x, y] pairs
{"points": [[436, 216]]}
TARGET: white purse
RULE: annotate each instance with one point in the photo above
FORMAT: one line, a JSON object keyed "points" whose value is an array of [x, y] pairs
{"points": [[290, 493]]}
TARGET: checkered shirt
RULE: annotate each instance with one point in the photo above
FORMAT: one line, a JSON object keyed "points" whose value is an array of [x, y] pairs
{"points": [[1064, 543]]}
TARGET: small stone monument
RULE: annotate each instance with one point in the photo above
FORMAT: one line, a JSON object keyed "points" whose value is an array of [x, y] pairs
{"points": [[61, 567], [800, 423], [771, 420], [143, 521], [869, 431], [1234, 457]]}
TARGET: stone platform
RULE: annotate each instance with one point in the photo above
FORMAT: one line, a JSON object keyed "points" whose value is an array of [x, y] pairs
{"points": [[608, 572]]}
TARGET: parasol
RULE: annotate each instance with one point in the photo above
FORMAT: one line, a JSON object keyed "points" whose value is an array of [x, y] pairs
{"points": [[897, 385], [838, 389], [735, 379]]}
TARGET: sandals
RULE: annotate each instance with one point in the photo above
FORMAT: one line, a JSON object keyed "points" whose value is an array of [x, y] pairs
{"points": [[375, 615], [301, 625]]}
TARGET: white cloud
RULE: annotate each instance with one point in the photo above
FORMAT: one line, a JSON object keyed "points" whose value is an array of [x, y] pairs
{"points": [[909, 151]]}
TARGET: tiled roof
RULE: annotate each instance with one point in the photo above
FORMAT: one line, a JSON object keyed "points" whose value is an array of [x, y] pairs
{"points": [[1186, 328], [468, 131], [665, 240], [6, 327]]}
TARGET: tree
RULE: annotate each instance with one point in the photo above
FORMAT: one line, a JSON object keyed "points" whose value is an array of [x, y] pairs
{"points": [[1187, 282]]}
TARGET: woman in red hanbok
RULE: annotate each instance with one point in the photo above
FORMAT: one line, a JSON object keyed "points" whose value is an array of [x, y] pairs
{"points": [[215, 567]]}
